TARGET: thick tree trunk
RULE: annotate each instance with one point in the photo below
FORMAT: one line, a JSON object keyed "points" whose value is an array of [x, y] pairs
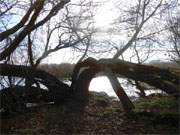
{"points": [[126, 102], [80, 92]]}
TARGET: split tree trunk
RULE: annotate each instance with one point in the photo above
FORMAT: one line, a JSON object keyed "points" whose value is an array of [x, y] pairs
{"points": [[163, 79]]}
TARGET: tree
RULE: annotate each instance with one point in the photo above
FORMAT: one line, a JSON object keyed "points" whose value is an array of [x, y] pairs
{"points": [[84, 71], [73, 30], [141, 30], [70, 28], [175, 38], [34, 10], [55, 31]]}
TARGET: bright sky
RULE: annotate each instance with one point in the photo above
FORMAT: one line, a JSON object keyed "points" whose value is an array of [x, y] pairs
{"points": [[105, 15], [103, 18]]}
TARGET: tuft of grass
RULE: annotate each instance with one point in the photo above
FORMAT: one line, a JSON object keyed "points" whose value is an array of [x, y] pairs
{"points": [[99, 100], [157, 103]]}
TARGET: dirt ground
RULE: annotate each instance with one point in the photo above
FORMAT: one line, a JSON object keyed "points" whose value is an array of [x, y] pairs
{"points": [[102, 117]]}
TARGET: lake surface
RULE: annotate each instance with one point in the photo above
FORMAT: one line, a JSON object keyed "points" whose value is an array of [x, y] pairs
{"points": [[102, 84]]}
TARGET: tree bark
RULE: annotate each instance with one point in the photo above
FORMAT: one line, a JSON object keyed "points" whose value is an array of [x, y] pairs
{"points": [[81, 88], [126, 102]]}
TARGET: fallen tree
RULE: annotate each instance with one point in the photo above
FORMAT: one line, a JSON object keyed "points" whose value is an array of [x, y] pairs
{"points": [[160, 78], [58, 92]]}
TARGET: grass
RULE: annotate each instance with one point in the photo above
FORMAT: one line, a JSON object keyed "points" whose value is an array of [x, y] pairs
{"points": [[158, 109], [156, 103], [153, 115]]}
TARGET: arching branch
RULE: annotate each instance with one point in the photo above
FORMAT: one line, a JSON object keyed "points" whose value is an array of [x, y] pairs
{"points": [[56, 88]]}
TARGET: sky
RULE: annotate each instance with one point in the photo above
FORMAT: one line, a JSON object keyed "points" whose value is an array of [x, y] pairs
{"points": [[104, 17]]}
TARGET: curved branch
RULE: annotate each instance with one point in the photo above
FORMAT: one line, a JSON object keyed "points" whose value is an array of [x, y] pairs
{"points": [[57, 89], [32, 26], [25, 18]]}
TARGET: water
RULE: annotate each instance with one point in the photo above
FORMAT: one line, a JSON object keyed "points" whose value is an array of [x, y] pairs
{"points": [[102, 84]]}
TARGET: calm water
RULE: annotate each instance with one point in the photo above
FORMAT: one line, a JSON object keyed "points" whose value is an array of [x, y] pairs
{"points": [[102, 84]]}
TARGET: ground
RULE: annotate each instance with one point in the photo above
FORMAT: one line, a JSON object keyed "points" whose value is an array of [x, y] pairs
{"points": [[103, 115]]}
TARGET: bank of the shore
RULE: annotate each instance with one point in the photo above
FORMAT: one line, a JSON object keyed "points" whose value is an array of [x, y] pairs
{"points": [[103, 115]]}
